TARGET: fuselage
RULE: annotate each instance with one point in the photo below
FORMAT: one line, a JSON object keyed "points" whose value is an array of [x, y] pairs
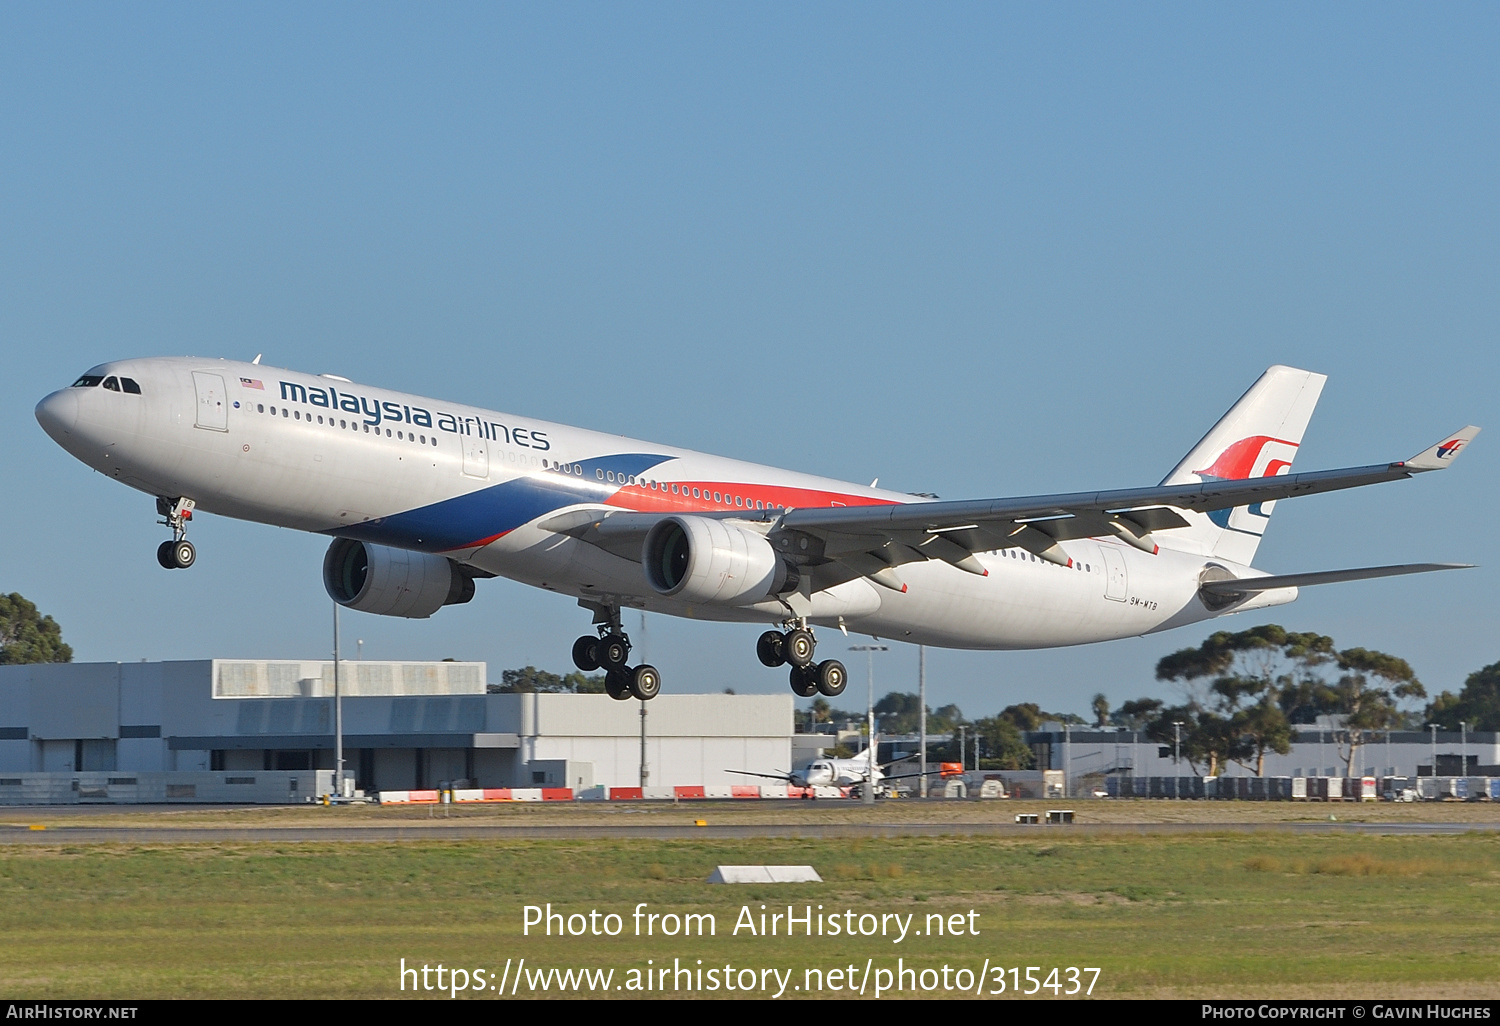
{"points": [[327, 455]]}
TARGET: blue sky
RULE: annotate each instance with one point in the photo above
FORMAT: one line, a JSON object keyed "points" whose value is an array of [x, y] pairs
{"points": [[971, 249]]}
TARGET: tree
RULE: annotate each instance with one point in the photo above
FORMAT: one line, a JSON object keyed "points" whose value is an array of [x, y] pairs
{"points": [[1208, 742], [1134, 715], [1477, 705], [26, 637], [1240, 712], [1100, 708], [821, 710], [1002, 746], [898, 712], [1367, 695], [1261, 681], [529, 680]]}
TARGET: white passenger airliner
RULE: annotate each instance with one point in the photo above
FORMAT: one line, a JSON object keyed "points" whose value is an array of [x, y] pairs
{"points": [[421, 497]]}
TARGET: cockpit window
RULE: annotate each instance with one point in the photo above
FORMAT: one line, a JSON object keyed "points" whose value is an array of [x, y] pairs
{"points": [[130, 386], [112, 383], [88, 381]]}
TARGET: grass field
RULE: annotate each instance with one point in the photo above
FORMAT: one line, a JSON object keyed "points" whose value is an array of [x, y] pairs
{"points": [[1204, 915]]}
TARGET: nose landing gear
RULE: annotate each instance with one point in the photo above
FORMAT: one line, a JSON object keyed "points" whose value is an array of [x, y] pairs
{"points": [[177, 554]]}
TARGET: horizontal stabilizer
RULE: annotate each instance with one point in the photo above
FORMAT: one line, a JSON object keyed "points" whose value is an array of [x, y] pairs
{"points": [[1249, 585]]}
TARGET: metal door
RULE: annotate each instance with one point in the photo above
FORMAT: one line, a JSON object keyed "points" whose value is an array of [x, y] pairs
{"points": [[213, 414], [476, 456], [1115, 580]]}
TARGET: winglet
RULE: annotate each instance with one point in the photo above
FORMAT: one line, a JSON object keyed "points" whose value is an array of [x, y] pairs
{"points": [[1445, 452]]}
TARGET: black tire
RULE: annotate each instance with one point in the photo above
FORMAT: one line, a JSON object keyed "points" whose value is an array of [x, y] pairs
{"points": [[645, 682], [183, 554], [586, 654], [798, 647], [613, 652], [804, 681], [768, 649], [617, 685], [164, 556], [832, 678]]}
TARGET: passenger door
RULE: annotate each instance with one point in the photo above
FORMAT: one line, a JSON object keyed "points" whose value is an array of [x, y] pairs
{"points": [[213, 415]]}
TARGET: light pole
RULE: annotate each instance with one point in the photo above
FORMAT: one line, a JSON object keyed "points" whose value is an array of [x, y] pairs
{"points": [[867, 793], [1067, 757], [922, 715], [1176, 742], [338, 713], [1433, 768]]}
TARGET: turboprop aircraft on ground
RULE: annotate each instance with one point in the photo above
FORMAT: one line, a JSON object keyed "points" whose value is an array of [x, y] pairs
{"points": [[422, 497], [853, 771]]}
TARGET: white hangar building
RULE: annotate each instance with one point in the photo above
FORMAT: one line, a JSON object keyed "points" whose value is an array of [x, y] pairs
{"points": [[407, 725]]}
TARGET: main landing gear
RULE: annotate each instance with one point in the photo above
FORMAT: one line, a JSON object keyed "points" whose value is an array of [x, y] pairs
{"points": [[177, 554], [795, 648], [610, 651]]}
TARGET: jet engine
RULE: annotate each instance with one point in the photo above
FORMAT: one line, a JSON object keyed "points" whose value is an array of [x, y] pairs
{"points": [[701, 559], [392, 582]]}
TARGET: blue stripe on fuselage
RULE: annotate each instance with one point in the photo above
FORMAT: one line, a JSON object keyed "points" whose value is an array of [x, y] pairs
{"points": [[467, 520]]}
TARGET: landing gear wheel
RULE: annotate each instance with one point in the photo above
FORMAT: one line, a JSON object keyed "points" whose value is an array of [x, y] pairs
{"points": [[769, 649], [797, 648], [183, 554], [617, 685], [832, 678], [613, 652], [645, 682], [804, 681], [586, 654], [164, 556]]}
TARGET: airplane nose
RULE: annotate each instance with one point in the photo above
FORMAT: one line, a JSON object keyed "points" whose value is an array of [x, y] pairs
{"points": [[58, 413]]}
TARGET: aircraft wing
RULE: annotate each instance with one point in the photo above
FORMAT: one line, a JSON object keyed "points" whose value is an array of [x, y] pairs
{"points": [[847, 542], [768, 776], [869, 541]]}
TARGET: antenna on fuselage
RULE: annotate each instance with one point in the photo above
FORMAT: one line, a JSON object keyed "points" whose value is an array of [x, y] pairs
{"points": [[257, 358]]}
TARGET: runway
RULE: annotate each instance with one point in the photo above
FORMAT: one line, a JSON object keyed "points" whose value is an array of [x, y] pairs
{"points": [[440, 831]]}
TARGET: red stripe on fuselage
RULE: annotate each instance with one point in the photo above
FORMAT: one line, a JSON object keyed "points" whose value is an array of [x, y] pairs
{"points": [[661, 499]]}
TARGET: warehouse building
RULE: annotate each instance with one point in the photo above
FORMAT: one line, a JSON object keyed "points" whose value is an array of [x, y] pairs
{"points": [[1320, 750], [406, 725]]}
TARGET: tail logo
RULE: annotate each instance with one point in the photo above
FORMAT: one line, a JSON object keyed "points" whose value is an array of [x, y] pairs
{"points": [[1256, 456], [1448, 448]]}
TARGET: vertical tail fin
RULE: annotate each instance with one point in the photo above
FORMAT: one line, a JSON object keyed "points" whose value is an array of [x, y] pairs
{"points": [[1258, 437]]}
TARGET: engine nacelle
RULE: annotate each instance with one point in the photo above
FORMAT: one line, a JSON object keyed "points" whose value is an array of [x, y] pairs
{"points": [[701, 559], [392, 582]]}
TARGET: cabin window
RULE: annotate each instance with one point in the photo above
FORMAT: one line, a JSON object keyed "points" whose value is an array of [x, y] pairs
{"points": [[129, 384], [112, 383], [89, 381]]}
